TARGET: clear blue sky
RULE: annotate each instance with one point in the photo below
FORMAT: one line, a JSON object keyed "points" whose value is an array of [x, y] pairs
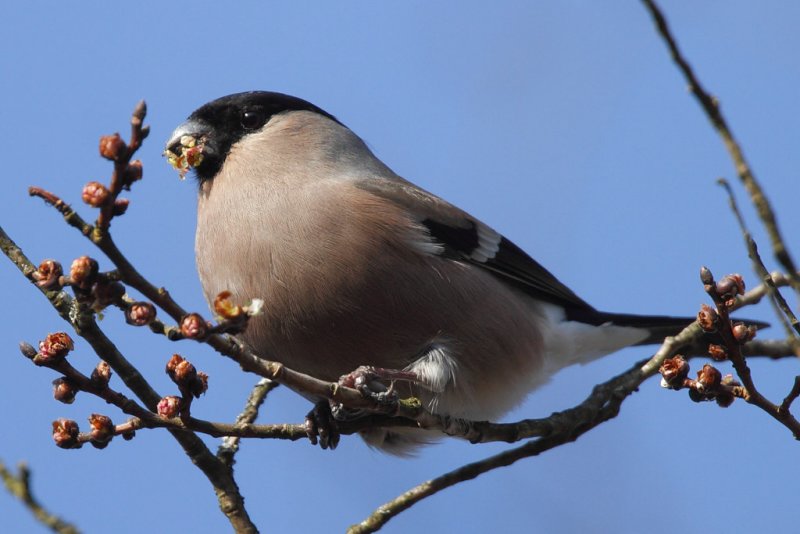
{"points": [[563, 125]]}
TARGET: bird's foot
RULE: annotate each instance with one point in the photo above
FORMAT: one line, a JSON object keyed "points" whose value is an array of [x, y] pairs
{"points": [[321, 426], [370, 382]]}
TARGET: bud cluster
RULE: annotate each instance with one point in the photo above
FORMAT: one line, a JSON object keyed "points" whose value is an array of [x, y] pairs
{"points": [[126, 172], [726, 338], [188, 379], [709, 384]]}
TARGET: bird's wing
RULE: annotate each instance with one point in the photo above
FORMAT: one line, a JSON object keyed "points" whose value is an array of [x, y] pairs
{"points": [[467, 239]]}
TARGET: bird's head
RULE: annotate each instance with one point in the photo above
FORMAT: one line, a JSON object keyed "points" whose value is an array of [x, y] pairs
{"points": [[204, 140]]}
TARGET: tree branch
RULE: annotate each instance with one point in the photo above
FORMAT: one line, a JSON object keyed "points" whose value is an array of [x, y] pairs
{"points": [[711, 107], [231, 501], [603, 404], [19, 485]]}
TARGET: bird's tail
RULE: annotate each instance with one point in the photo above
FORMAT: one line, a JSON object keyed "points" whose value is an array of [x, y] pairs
{"points": [[659, 326]]}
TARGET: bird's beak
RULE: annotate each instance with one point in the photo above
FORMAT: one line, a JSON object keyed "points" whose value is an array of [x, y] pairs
{"points": [[186, 147]]}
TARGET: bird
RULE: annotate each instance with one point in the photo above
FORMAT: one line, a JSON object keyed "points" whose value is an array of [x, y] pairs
{"points": [[358, 266]]}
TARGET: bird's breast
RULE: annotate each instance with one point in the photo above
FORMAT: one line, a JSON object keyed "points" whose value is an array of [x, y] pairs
{"points": [[324, 261]]}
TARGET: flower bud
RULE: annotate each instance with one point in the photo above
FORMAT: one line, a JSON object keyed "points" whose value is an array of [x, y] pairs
{"points": [[101, 375], [169, 406], [225, 308], [139, 112], [718, 353], [133, 172], [121, 206], [95, 194], [705, 276], [186, 376], [708, 378], [707, 318], [673, 372], [112, 147], [180, 370], [140, 313], [193, 326], [27, 350], [185, 372], [83, 271], [53, 348], [200, 384], [64, 390], [743, 333], [65, 433], [48, 274], [173, 363], [102, 429], [730, 286]]}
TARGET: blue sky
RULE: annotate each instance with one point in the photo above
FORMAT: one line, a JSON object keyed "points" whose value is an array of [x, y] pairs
{"points": [[563, 125]]}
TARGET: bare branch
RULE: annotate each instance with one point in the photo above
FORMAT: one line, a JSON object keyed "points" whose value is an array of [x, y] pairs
{"points": [[230, 445], [19, 485], [711, 107], [783, 311]]}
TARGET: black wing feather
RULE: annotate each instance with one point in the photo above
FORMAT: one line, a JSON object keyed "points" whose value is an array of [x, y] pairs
{"points": [[509, 263]]}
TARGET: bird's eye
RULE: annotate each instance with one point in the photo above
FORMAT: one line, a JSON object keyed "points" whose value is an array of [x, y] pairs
{"points": [[253, 119]]}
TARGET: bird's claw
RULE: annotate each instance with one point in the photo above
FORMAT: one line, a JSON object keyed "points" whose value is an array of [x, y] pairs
{"points": [[369, 381], [321, 426]]}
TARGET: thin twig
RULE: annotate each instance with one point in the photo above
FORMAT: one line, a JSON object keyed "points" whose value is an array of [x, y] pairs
{"points": [[782, 309], [230, 445], [791, 397], [711, 107], [19, 485], [754, 296]]}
